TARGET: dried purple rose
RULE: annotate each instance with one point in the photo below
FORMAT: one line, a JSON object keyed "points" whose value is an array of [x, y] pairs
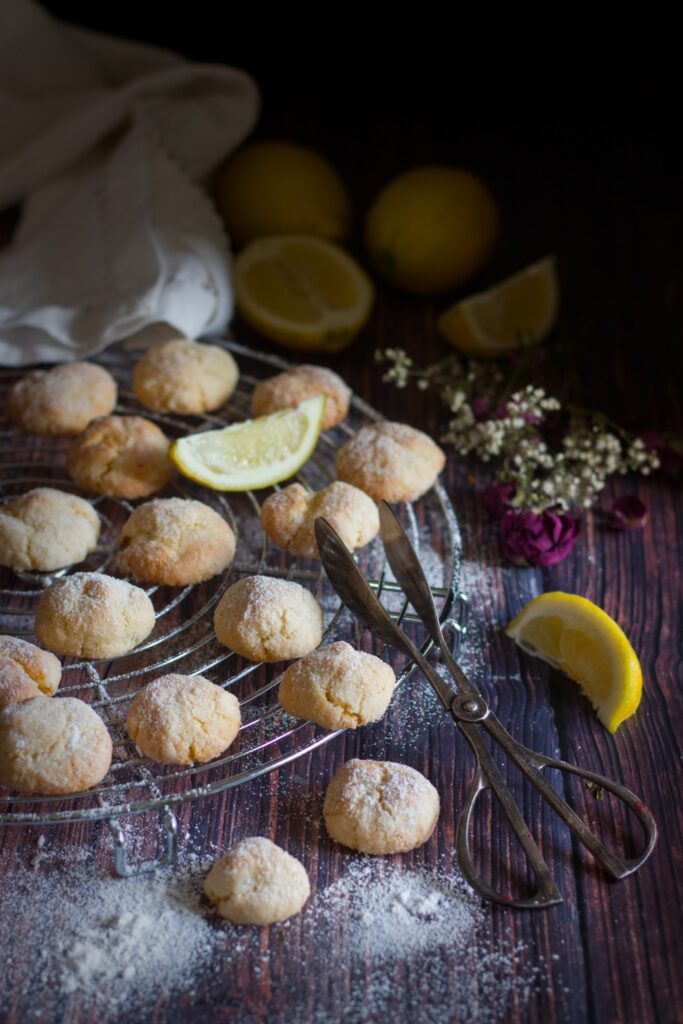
{"points": [[496, 498], [628, 513], [533, 538]]}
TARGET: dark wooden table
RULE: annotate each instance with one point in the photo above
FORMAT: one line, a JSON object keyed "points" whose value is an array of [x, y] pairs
{"points": [[614, 219]]}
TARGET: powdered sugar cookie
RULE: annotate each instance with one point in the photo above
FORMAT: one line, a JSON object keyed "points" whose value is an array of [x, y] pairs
{"points": [[179, 719], [46, 529], [288, 516], [380, 807], [62, 400], [183, 376], [26, 671], [268, 619], [257, 882], [52, 746], [121, 456], [91, 615], [175, 541], [288, 389], [390, 461], [337, 687]]}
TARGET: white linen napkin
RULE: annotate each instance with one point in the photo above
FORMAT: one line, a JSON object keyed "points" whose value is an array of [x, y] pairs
{"points": [[104, 141]]}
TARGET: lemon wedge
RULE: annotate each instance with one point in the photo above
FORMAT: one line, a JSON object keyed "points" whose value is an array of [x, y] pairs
{"points": [[520, 311], [302, 292], [574, 635], [253, 454]]}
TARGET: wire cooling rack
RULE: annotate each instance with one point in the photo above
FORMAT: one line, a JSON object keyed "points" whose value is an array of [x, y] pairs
{"points": [[183, 639]]}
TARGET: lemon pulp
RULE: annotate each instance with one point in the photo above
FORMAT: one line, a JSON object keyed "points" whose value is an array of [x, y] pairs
{"points": [[253, 454], [302, 292], [579, 638], [520, 311]]}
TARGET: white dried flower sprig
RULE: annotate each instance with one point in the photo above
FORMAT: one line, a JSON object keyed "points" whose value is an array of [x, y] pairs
{"points": [[512, 430]]}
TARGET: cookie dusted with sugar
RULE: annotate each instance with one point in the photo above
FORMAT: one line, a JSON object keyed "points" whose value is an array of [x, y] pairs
{"points": [[52, 746], [91, 615], [266, 619], [337, 687], [293, 386], [257, 882], [180, 719], [62, 400], [121, 457], [46, 529], [175, 541], [380, 807], [26, 671], [184, 376], [390, 461], [288, 516]]}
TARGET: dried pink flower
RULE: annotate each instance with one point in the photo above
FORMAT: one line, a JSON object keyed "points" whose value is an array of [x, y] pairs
{"points": [[540, 539], [628, 513], [496, 498]]}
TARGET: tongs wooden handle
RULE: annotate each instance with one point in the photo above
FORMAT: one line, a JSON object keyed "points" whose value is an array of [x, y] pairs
{"points": [[470, 711]]}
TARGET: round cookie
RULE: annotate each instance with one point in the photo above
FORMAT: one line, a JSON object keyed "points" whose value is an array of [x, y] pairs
{"points": [[121, 457], [175, 541], [26, 671], [337, 687], [62, 400], [51, 747], [181, 719], [390, 461], [257, 882], [293, 386], [267, 619], [46, 529], [90, 615], [380, 807], [183, 376], [288, 516]]}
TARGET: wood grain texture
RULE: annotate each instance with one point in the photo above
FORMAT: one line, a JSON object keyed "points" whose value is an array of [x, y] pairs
{"points": [[611, 953]]}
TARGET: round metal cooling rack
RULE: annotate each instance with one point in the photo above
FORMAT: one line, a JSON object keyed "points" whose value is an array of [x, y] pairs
{"points": [[183, 639]]}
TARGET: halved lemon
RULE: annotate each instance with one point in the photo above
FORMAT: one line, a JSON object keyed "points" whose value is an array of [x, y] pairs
{"points": [[253, 454], [574, 635], [520, 311], [303, 292]]}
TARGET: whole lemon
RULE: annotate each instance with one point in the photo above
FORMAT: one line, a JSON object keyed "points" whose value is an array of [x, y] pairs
{"points": [[432, 228], [279, 188]]}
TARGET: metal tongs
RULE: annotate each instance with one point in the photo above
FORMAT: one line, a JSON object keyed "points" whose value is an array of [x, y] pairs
{"points": [[471, 713]]}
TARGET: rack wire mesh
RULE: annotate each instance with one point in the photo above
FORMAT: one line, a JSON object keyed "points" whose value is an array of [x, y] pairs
{"points": [[183, 639]]}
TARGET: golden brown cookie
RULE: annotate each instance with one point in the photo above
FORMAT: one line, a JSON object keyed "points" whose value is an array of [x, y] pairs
{"points": [[121, 456], [175, 541], [293, 386], [380, 807], [288, 516], [26, 671], [390, 461], [183, 376], [337, 687], [257, 882], [46, 529], [52, 746], [62, 400], [180, 719], [90, 615], [266, 619]]}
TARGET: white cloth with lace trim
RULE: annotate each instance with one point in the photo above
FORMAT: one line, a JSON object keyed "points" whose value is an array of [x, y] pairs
{"points": [[105, 143]]}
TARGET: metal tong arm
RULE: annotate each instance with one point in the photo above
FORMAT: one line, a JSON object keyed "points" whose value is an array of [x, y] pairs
{"points": [[355, 592], [409, 574]]}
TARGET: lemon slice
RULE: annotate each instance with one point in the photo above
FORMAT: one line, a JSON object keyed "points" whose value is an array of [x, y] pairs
{"points": [[253, 454], [520, 311], [574, 635], [303, 292]]}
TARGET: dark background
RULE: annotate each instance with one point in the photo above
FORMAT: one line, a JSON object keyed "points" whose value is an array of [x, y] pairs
{"points": [[571, 119]]}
